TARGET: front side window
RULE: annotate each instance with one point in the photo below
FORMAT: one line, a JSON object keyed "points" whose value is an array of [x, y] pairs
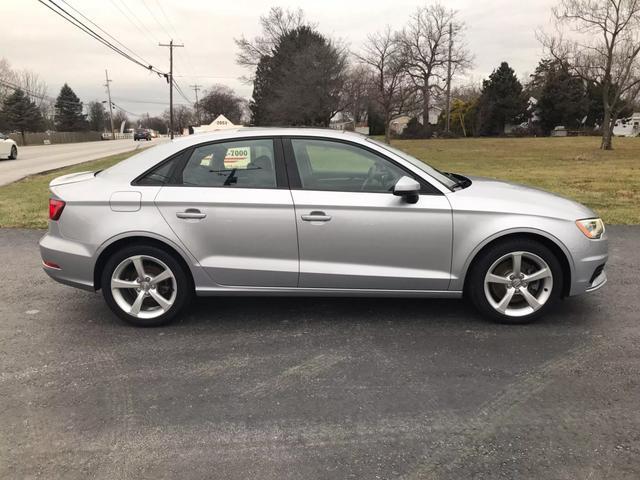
{"points": [[336, 166], [240, 164]]}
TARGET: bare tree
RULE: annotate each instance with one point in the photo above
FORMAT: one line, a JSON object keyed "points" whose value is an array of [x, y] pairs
{"points": [[35, 87], [383, 54], [603, 49], [220, 99], [275, 25], [183, 117], [7, 77], [426, 40], [357, 85]]}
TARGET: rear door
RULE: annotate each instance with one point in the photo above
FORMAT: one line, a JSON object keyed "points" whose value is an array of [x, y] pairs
{"points": [[353, 232], [231, 207]]}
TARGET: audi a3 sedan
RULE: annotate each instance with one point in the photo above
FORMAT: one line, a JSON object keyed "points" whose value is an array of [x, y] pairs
{"points": [[313, 213]]}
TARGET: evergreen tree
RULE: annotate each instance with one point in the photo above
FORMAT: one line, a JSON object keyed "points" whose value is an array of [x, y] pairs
{"points": [[501, 101], [21, 114], [562, 99], [301, 82], [69, 116]]}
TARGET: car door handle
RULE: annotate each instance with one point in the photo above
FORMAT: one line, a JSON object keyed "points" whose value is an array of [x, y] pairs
{"points": [[316, 216], [191, 213]]}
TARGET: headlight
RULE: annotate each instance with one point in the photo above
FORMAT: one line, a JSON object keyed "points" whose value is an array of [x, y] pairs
{"points": [[592, 227]]}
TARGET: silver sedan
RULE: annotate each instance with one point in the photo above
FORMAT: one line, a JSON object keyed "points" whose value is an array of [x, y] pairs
{"points": [[314, 213]]}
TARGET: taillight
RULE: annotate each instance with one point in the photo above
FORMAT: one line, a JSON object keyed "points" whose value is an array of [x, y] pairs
{"points": [[55, 208]]}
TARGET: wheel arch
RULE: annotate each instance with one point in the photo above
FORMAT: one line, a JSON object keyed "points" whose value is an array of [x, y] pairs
{"points": [[139, 239], [549, 241]]}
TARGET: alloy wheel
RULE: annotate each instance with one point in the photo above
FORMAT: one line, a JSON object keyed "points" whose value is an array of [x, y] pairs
{"points": [[143, 286], [518, 284]]}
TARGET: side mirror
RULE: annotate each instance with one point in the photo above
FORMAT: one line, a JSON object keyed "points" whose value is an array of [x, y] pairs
{"points": [[407, 188]]}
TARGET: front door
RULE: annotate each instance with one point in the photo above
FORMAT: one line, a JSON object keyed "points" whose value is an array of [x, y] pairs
{"points": [[353, 233], [232, 210]]}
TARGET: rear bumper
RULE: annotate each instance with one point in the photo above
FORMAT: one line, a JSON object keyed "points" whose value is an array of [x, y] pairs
{"points": [[74, 259]]}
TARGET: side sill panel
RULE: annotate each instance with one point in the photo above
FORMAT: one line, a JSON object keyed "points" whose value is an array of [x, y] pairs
{"points": [[323, 292]]}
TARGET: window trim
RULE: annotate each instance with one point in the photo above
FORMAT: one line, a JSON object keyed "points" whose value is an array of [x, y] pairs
{"points": [[181, 163], [293, 173]]}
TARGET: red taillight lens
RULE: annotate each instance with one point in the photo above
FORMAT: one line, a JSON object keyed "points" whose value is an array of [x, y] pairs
{"points": [[55, 208]]}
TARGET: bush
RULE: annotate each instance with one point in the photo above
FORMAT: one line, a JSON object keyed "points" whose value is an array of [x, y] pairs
{"points": [[415, 129]]}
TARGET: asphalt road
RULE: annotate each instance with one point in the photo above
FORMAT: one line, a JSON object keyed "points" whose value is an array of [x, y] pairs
{"points": [[317, 388], [41, 158]]}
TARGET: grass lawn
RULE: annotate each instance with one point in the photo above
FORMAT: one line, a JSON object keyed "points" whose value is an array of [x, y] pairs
{"points": [[574, 167], [608, 182], [25, 204]]}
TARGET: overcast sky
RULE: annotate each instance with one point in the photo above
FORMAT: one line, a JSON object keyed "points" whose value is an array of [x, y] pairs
{"points": [[33, 37]]}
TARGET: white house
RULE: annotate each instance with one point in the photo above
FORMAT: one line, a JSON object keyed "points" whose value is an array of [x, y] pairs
{"points": [[627, 127]]}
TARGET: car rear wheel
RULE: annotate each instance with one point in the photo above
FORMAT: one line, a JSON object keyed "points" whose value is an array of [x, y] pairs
{"points": [[14, 153], [145, 286], [515, 281]]}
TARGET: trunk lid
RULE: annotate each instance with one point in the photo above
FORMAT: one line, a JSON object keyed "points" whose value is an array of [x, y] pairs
{"points": [[72, 178]]}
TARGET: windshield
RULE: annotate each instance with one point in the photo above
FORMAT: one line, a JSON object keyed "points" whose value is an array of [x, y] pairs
{"points": [[436, 174]]}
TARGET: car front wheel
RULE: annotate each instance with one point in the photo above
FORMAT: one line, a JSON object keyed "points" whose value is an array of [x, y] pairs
{"points": [[14, 153], [515, 281], [145, 286]]}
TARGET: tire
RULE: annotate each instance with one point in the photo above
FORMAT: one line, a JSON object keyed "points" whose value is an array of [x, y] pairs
{"points": [[14, 153], [158, 303], [495, 291]]}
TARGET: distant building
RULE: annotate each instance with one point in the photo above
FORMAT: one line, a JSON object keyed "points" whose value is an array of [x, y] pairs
{"points": [[220, 123], [627, 127], [398, 124]]}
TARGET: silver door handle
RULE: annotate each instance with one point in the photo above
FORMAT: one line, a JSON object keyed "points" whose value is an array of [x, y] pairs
{"points": [[316, 217], [191, 214]]}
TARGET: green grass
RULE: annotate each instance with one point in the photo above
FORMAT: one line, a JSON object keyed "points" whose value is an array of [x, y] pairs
{"points": [[608, 182], [25, 204], [574, 167]]}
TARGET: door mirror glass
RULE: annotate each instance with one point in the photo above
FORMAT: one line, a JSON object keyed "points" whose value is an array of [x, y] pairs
{"points": [[408, 188]]}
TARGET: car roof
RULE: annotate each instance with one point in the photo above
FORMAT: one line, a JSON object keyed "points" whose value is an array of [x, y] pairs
{"points": [[134, 166]]}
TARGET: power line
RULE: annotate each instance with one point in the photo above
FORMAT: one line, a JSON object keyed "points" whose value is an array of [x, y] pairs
{"points": [[133, 14], [147, 102], [156, 20], [128, 17], [105, 32], [78, 24]]}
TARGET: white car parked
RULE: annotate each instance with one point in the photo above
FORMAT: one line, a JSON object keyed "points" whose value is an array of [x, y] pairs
{"points": [[8, 148]]}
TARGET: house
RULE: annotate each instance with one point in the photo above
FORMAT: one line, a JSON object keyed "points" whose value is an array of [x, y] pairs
{"points": [[220, 123], [627, 127], [398, 124]]}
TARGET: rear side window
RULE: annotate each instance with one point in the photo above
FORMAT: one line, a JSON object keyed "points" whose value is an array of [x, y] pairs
{"points": [[160, 175], [240, 164]]}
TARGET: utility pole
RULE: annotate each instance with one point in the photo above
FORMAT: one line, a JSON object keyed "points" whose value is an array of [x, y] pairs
{"points": [[113, 133], [448, 125], [171, 46], [195, 88]]}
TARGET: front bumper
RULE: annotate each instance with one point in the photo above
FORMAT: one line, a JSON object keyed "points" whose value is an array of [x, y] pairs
{"points": [[589, 267], [75, 261]]}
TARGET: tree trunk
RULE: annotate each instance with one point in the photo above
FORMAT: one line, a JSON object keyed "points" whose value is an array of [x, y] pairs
{"points": [[24, 140], [426, 95], [607, 130], [387, 133]]}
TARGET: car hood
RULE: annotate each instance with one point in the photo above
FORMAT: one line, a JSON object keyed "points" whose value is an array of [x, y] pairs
{"points": [[489, 195]]}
